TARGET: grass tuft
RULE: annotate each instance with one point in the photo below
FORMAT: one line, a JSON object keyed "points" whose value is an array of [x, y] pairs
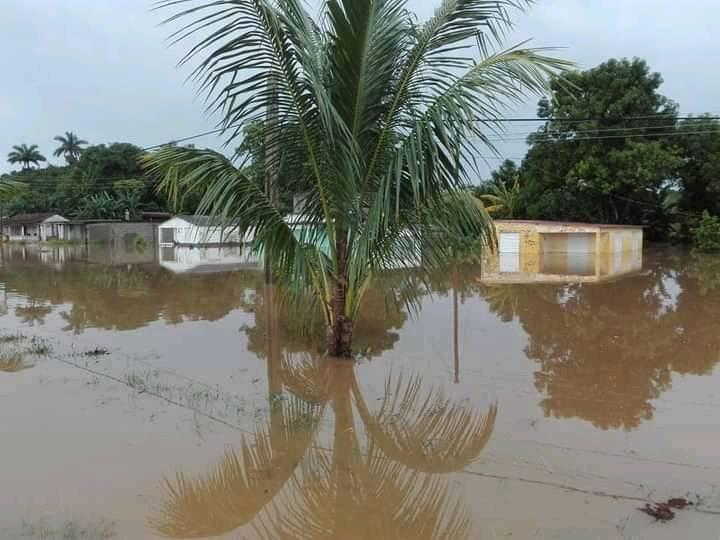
{"points": [[13, 362]]}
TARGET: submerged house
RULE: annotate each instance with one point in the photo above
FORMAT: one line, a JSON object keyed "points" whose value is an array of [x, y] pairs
{"points": [[556, 251], [36, 227], [187, 230]]}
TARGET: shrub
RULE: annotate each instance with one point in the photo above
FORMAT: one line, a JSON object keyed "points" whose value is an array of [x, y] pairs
{"points": [[706, 236]]}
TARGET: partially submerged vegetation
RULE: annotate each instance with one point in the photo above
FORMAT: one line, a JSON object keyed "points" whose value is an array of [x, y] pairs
{"points": [[18, 352], [381, 122]]}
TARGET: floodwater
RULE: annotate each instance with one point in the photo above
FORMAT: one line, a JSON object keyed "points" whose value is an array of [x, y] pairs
{"points": [[147, 395]]}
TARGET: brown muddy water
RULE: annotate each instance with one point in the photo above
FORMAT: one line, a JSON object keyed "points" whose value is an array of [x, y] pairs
{"points": [[149, 395]]}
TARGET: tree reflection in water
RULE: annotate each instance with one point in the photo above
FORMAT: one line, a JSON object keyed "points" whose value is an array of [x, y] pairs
{"points": [[375, 474], [606, 351]]}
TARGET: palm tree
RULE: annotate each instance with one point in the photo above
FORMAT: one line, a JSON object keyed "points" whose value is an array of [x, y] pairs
{"points": [[503, 200], [70, 147], [389, 123], [27, 155]]}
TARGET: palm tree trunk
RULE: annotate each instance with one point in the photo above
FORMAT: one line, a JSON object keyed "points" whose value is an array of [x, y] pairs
{"points": [[340, 332]]}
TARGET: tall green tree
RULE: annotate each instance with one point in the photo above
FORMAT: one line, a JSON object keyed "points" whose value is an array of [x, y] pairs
{"points": [[114, 161], [70, 147], [25, 155], [603, 154], [386, 111], [699, 143]]}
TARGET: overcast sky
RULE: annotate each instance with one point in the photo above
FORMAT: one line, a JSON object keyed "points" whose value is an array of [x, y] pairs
{"points": [[102, 68]]}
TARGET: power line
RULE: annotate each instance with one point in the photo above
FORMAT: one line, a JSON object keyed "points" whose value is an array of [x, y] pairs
{"points": [[595, 130], [185, 139], [590, 119], [604, 137]]}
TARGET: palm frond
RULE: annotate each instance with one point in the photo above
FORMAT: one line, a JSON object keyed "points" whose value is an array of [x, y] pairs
{"points": [[9, 188], [309, 378], [361, 498], [389, 118], [231, 197], [245, 481], [426, 432]]}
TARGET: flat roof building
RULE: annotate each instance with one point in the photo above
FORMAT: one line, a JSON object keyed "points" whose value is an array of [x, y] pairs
{"points": [[537, 251]]}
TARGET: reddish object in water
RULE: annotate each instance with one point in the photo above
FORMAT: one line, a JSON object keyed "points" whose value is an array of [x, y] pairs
{"points": [[660, 511], [679, 503]]}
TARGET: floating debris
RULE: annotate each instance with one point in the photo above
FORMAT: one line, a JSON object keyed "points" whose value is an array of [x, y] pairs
{"points": [[660, 511], [664, 511], [97, 351], [679, 503]]}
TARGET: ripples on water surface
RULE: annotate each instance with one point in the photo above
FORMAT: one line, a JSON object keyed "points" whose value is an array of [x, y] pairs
{"points": [[168, 394]]}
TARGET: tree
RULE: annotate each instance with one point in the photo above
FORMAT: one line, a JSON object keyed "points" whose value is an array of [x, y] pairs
{"points": [[291, 173], [502, 195], [117, 161], [25, 155], [386, 117], [613, 163], [99, 206], [70, 147], [699, 143], [706, 235]]}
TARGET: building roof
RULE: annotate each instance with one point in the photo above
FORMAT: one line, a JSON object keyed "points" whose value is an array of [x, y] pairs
{"points": [[91, 221], [30, 219], [567, 224]]}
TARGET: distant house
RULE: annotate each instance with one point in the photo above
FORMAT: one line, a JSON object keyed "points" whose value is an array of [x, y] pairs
{"points": [[36, 227], [548, 250], [189, 230]]}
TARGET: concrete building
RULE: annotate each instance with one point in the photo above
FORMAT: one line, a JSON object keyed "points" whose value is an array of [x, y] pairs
{"points": [[198, 231], [35, 227], [553, 251]]}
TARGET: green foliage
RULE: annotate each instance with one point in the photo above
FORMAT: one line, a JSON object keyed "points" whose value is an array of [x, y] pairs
{"points": [[502, 195], [572, 175], [379, 113], [70, 147], [104, 169], [699, 173], [25, 155], [706, 236], [117, 160], [293, 166], [99, 206]]}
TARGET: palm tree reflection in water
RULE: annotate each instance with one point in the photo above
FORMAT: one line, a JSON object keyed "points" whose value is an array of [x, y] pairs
{"points": [[285, 485]]}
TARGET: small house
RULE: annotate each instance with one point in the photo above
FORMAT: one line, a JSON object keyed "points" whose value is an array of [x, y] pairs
{"points": [[36, 227], [556, 251], [189, 230]]}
